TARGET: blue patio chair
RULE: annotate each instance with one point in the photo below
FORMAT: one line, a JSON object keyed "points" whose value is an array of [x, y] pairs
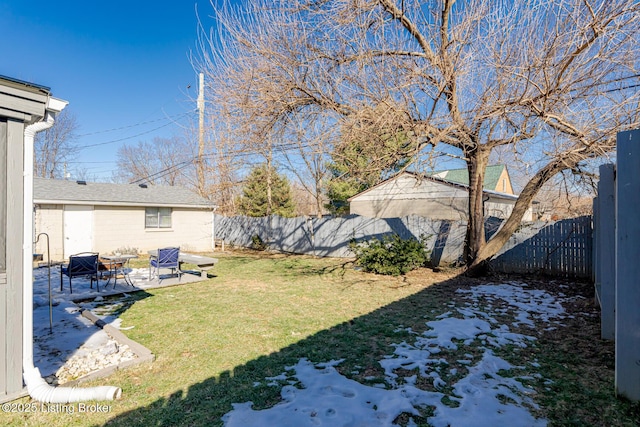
{"points": [[82, 264], [166, 258]]}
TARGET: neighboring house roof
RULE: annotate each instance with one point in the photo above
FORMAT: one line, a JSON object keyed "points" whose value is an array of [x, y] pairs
{"points": [[56, 191], [436, 178], [461, 176]]}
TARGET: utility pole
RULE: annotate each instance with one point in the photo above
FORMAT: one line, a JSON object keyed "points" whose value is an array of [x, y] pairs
{"points": [[200, 161]]}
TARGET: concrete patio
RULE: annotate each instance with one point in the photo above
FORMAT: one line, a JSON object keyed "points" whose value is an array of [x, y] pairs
{"points": [[82, 290]]}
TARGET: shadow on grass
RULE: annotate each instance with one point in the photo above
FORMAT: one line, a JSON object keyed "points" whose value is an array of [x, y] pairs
{"points": [[582, 385], [112, 306]]}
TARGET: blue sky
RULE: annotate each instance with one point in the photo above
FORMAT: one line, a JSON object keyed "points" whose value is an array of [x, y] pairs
{"points": [[118, 63]]}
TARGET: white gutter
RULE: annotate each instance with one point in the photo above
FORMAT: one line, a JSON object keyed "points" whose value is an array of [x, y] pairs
{"points": [[125, 204], [38, 388]]}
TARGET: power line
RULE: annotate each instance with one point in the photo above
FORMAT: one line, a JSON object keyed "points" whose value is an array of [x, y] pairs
{"points": [[168, 170], [164, 172], [293, 146], [133, 125], [621, 88], [127, 137], [183, 164]]}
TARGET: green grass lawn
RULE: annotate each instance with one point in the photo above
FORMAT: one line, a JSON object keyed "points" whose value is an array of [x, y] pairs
{"points": [[214, 340]]}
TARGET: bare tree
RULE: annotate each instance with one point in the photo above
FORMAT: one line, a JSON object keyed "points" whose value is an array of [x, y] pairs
{"points": [[306, 157], [164, 161], [551, 80], [224, 161], [55, 146]]}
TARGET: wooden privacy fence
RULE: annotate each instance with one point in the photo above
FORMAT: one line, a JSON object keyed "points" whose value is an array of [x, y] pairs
{"points": [[560, 248], [617, 260]]}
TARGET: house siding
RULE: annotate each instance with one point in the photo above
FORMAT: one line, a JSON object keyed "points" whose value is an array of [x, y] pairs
{"points": [[21, 104], [504, 178], [50, 219], [453, 209], [3, 195], [119, 227], [194, 228], [407, 187], [498, 209], [11, 298], [407, 195]]}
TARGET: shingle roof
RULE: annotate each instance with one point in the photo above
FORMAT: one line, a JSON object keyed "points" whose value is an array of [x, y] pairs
{"points": [[94, 193], [23, 83], [461, 176], [436, 178]]}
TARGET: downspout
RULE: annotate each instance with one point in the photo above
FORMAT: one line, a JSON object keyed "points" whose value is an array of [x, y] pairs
{"points": [[38, 388]]}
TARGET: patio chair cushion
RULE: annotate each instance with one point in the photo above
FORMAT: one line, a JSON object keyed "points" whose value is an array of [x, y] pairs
{"points": [[82, 264], [166, 258]]}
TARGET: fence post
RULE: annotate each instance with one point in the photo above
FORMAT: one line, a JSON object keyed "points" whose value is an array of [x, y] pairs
{"points": [[605, 223], [312, 234], [628, 266], [595, 271]]}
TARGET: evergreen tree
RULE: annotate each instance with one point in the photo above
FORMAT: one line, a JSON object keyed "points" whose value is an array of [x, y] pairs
{"points": [[266, 192], [364, 161]]}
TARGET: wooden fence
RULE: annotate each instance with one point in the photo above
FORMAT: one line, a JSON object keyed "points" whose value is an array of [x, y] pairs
{"points": [[617, 260], [560, 248]]}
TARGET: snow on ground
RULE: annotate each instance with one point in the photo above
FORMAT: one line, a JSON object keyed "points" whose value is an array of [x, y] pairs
{"points": [[318, 395], [72, 335]]}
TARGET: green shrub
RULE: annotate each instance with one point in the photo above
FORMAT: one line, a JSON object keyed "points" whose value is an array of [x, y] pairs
{"points": [[390, 255], [257, 243]]}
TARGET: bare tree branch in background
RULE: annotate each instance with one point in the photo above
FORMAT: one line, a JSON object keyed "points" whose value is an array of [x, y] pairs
{"points": [[224, 160], [306, 157], [162, 162], [567, 195], [551, 80], [55, 146]]}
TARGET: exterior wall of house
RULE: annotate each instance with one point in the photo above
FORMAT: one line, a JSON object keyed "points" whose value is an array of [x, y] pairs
{"points": [[49, 219], [20, 105], [117, 228], [407, 187], [409, 196], [11, 299], [11, 262], [504, 183], [453, 209], [498, 208], [501, 208], [3, 197]]}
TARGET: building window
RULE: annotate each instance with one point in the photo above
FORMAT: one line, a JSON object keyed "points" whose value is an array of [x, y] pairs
{"points": [[157, 218]]}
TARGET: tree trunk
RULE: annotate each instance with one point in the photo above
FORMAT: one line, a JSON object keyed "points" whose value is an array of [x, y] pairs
{"points": [[318, 205], [269, 182], [513, 222], [269, 196], [475, 238]]}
